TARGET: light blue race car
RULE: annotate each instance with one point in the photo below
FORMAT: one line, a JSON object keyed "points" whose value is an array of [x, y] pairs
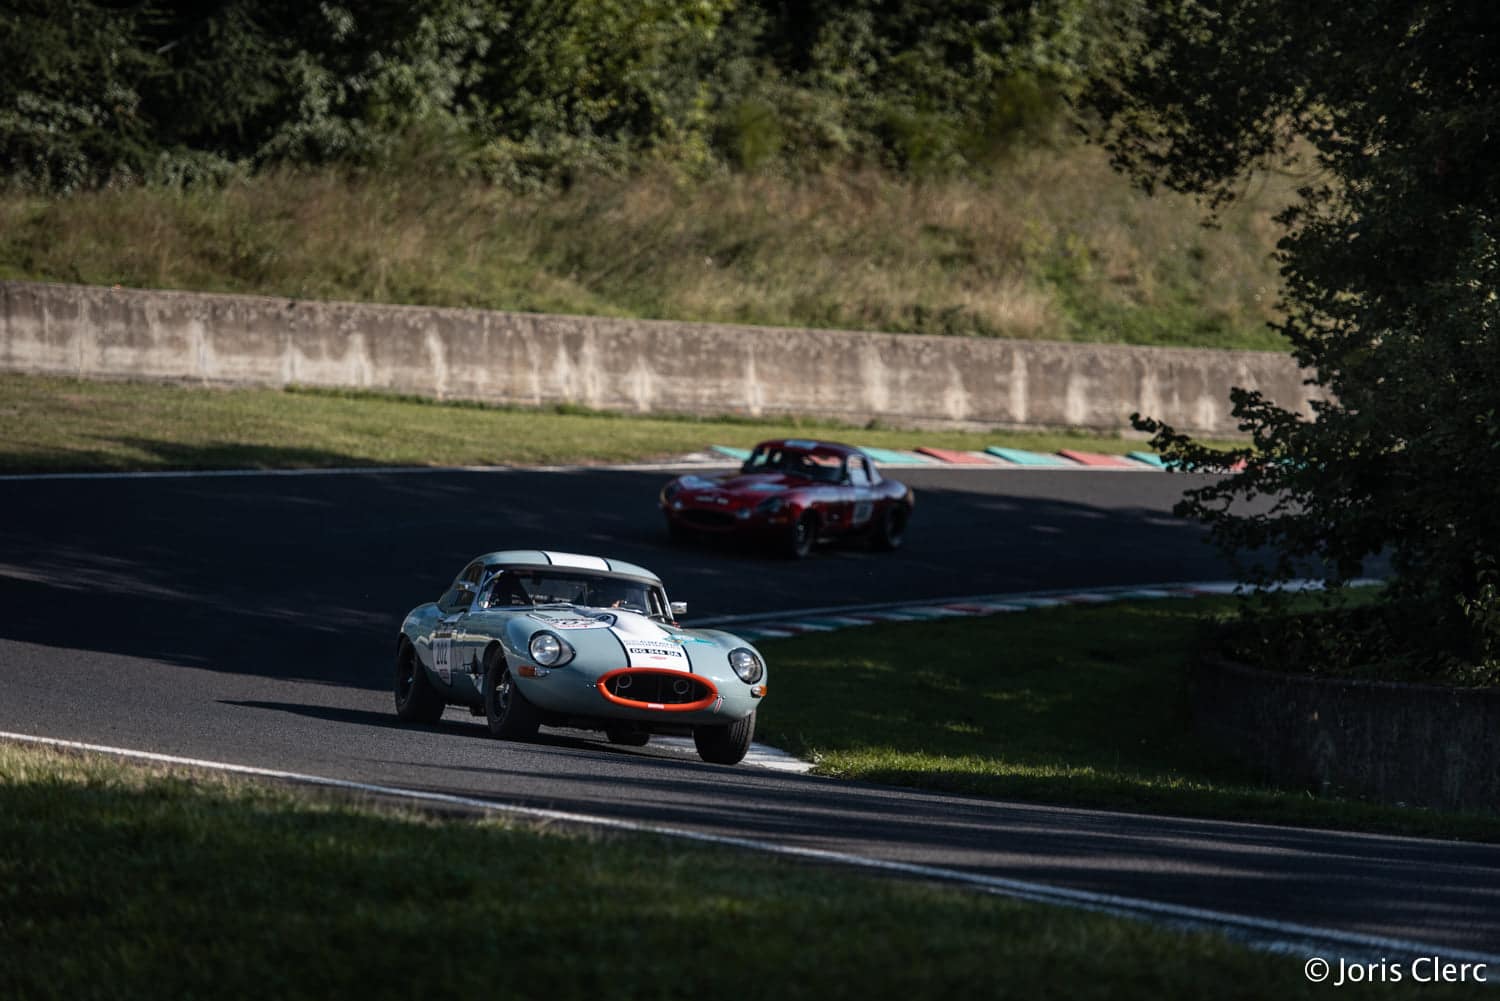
{"points": [[530, 637]]}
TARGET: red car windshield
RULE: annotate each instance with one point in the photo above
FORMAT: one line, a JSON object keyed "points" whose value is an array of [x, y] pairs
{"points": [[827, 467]]}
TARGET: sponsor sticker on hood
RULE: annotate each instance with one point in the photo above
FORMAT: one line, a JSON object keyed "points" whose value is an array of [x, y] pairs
{"points": [[570, 621], [647, 644]]}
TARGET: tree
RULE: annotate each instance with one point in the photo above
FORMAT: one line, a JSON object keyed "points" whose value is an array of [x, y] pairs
{"points": [[1391, 273], [922, 84], [579, 84], [69, 103]]}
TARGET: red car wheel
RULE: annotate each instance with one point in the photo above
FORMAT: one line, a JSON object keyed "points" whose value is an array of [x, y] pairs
{"points": [[803, 533]]}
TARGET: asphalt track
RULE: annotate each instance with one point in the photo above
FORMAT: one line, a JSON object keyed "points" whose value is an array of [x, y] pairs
{"points": [[251, 619]]}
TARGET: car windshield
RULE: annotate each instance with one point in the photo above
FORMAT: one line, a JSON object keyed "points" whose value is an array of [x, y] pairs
{"points": [[542, 586], [826, 467]]}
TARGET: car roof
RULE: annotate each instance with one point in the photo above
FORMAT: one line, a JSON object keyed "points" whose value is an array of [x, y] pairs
{"points": [[571, 561], [812, 445]]}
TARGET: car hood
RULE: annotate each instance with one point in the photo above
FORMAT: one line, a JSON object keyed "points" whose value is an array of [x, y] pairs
{"points": [[746, 484], [603, 632]]}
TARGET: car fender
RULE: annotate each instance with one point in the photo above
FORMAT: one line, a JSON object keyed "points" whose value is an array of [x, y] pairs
{"points": [[416, 629]]}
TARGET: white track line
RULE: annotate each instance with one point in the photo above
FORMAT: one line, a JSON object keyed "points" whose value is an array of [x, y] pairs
{"points": [[668, 466], [208, 474], [191, 474], [1032, 599], [1263, 933], [759, 755]]}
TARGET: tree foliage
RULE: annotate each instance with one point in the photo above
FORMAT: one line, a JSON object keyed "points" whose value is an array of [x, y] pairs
{"points": [[923, 84], [95, 92], [1391, 274], [71, 100]]}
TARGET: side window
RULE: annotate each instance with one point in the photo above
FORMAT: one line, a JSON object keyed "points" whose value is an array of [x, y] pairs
{"points": [[504, 588], [763, 459], [859, 473]]}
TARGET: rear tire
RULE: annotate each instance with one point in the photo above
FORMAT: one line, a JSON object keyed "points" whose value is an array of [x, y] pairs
{"points": [[509, 714], [800, 539], [417, 701], [725, 745], [890, 530]]}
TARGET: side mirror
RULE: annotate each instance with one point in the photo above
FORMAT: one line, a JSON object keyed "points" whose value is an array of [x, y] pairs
{"points": [[679, 609]]}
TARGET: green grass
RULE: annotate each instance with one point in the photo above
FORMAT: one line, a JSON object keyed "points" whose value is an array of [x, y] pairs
{"points": [[1076, 705], [1055, 246], [55, 425], [121, 881]]}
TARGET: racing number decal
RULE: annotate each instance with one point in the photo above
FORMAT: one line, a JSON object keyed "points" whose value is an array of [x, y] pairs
{"points": [[654, 653], [442, 655], [862, 511]]}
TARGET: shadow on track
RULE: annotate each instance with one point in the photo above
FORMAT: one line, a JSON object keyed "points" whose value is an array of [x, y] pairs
{"points": [[453, 727], [307, 577]]}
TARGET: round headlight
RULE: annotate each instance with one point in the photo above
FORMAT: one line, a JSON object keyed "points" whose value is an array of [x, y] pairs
{"points": [[746, 665], [548, 651]]}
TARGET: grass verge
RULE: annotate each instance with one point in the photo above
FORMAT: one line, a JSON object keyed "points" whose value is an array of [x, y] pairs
{"points": [[122, 881], [1078, 705], [57, 425]]}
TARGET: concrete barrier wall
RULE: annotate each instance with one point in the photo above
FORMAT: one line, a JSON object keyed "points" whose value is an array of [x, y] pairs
{"points": [[1421, 745], [625, 365]]}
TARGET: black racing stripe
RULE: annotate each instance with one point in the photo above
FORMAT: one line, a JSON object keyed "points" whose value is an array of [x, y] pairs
{"points": [[546, 556]]}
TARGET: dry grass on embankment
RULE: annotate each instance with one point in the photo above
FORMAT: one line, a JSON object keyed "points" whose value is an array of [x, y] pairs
{"points": [[1053, 246]]}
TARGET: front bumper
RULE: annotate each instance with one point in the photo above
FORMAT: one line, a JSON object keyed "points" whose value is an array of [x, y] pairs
{"points": [[724, 521], [643, 695]]}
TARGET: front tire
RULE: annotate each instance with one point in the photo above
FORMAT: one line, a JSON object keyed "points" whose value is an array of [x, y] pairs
{"points": [[890, 530], [804, 532], [725, 745], [417, 701], [508, 713]]}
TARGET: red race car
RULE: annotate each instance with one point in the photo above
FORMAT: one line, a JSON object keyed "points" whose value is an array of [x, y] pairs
{"points": [[793, 494]]}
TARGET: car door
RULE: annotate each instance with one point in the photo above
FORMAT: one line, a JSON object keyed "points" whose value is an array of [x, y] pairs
{"points": [[448, 632], [473, 633], [860, 482], [832, 499]]}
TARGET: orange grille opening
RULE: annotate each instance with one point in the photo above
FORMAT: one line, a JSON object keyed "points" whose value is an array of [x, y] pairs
{"points": [[663, 691]]}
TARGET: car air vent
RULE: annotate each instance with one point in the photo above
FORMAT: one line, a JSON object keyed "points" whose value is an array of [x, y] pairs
{"points": [[657, 687]]}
